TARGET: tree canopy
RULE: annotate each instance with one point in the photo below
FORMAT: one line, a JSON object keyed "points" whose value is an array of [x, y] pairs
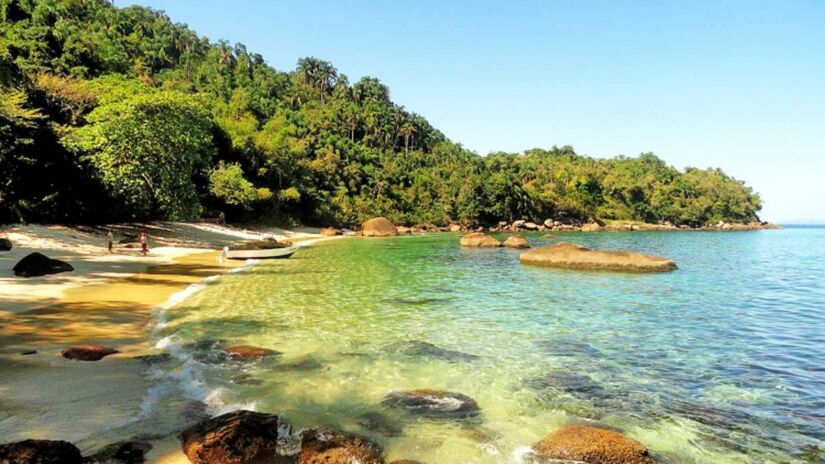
{"points": [[118, 113]]}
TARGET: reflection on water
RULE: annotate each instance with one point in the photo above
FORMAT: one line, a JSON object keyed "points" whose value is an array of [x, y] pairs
{"points": [[719, 361]]}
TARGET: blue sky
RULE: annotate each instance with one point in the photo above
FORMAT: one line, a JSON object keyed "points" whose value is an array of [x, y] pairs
{"points": [[734, 84]]}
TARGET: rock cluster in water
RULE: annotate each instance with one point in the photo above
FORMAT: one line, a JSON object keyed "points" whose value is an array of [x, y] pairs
{"points": [[36, 265], [570, 255]]}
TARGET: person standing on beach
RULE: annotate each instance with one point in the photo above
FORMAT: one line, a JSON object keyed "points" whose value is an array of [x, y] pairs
{"points": [[144, 243], [110, 240]]}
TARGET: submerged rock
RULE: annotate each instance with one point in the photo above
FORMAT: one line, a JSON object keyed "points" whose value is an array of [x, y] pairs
{"points": [[36, 264], [516, 241], [327, 446], [40, 452], [306, 363], [567, 347], [570, 255], [428, 350], [591, 445], [246, 352], [87, 352], [379, 227], [5, 244], [479, 240], [239, 437], [127, 452], [380, 423], [434, 404]]}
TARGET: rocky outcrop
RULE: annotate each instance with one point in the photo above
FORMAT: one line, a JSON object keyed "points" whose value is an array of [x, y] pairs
{"points": [[327, 446], [127, 452], [331, 231], [591, 445], [572, 256], [516, 241], [434, 404], [5, 244], [246, 352], [239, 437], [479, 240], [40, 452], [379, 227], [87, 352], [36, 264]]}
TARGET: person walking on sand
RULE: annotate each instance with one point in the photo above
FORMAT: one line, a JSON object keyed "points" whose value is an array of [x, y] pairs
{"points": [[110, 240], [144, 243]]}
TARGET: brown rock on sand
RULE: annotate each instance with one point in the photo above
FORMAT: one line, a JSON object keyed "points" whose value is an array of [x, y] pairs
{"points": [[479, 240], [592, 445], [87, 352], [570, 255], [326, 446], [249, 352], [379, 227], [239, 437], [40, 452], [516, 241]]}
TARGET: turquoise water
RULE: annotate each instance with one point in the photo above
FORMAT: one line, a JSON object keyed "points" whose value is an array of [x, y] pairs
{"points": [[719, 361]]}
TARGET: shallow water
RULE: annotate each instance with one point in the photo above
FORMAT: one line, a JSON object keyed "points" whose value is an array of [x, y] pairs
{"points": [[719, 361]]}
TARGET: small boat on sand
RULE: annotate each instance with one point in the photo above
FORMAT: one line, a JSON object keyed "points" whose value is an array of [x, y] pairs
{"points": [[263, 253]]}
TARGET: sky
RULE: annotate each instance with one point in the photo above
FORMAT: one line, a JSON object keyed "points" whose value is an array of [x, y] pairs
{"points": [[738, 85]]}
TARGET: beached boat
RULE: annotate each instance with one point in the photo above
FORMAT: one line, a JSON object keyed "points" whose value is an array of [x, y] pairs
{"points": [[265, 253]]}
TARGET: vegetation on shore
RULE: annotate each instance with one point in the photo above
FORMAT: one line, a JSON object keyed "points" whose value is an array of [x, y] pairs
{"points": [[111, 114]]}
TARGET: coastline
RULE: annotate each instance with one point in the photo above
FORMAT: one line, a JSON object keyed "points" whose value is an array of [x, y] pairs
{"points": [[108, 300]]}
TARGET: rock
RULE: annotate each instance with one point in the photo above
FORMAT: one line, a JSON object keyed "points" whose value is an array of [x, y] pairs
{"points": [[330, 231], [549, 223], [239, 437], [36, 264], [128, 452], [434, 404], [591, 227], [455, 228], [326, 446], [40, 452], [5, 244], [380, 423], [519, 224], [479, 240], [531, 226], [87, 352], [379, 227], [428, 350], [28, 352], [593, 446], [404, 230], [246, 352], [516, 241], [570, 255], [306, 363]]}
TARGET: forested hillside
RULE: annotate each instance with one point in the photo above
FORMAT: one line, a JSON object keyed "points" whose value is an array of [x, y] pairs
{"points": [[110, 114]]}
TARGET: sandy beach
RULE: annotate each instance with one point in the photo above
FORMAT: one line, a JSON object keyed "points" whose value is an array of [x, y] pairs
{"points": [[107, 300]]}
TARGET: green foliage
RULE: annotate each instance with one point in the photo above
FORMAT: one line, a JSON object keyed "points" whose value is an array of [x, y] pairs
{"points": [[227, 183], [156, 121]]}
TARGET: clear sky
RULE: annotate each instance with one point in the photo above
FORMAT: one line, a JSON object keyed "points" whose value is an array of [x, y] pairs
{"points": [[733, 84]]}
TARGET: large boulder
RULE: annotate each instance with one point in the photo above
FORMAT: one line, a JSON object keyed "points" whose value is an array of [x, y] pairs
{"points": [[40, 452], [479, 240], [239, 437], [516, 241], [591, 445], [87, 352], [434, 404], [326, 446], [379, 227], [36, 264], [570, 255], [5, 244]]}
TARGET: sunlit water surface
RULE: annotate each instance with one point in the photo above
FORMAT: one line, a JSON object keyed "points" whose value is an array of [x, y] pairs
{"points": [[719, 361]]}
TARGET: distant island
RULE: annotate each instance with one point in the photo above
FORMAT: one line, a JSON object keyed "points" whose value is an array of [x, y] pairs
{"points": [[117, 114]]}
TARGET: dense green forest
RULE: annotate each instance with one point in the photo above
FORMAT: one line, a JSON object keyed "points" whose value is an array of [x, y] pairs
{"points": [[111, 114]]}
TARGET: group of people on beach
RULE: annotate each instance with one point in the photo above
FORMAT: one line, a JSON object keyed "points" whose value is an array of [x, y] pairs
{"points": [[143, 239]]}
